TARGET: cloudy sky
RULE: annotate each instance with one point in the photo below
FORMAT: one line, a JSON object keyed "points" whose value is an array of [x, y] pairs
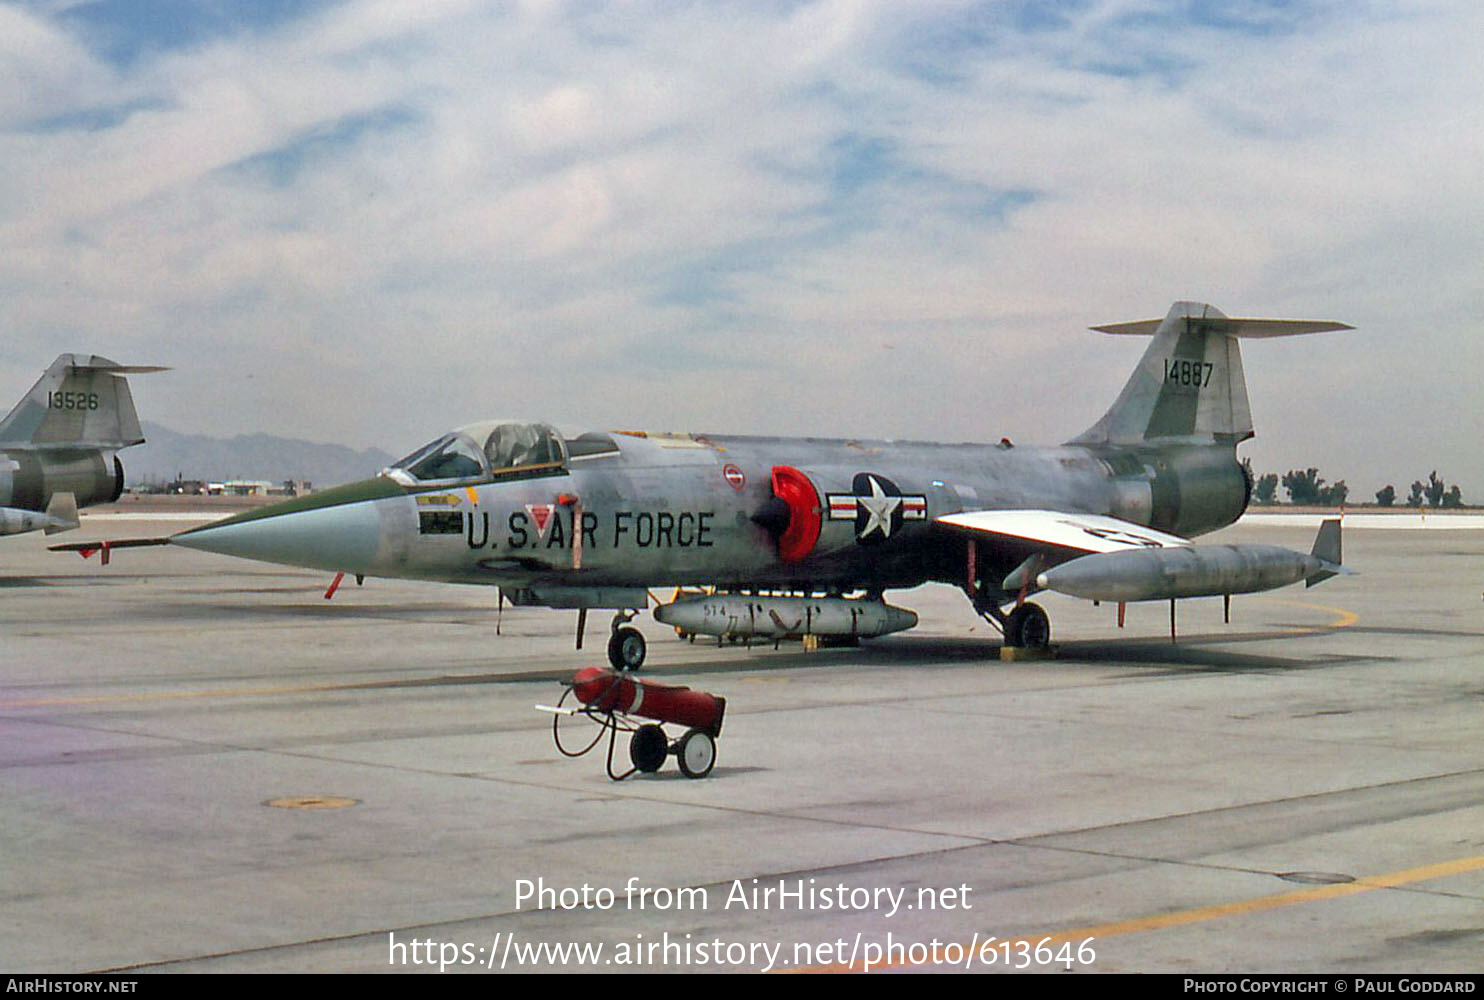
{"points": [[364, 221]]}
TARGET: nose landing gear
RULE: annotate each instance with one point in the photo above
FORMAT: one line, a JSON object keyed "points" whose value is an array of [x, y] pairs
{"points": [[626, 645]]}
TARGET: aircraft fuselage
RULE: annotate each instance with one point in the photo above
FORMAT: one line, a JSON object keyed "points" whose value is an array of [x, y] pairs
{"points": [[673, 510], [596, 520]]}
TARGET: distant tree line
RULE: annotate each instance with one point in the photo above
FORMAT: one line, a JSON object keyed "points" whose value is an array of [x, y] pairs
{"points": [[1307, 488], [1434, 492]]}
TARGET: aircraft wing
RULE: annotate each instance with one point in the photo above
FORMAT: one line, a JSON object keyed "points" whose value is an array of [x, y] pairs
{"points": [[1081, 533], [86, 549], [1102, 558]]}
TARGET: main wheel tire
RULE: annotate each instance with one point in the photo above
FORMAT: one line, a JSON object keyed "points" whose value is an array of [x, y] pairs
{"points": [[626, 649], [696, 754], [648, 748], [1028, 626]]}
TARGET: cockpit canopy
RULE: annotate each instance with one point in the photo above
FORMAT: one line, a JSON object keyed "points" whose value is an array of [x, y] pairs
{"points": [[498, 449]]}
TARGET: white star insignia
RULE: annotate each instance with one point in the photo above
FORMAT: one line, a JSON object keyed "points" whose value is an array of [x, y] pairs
{"points": [[878, 507]]}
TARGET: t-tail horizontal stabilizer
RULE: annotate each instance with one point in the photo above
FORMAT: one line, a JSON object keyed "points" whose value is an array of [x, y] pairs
{"points": [[1157, 574]]}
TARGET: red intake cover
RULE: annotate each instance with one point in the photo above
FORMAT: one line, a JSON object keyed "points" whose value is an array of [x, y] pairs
{"points": [[794, 488]]}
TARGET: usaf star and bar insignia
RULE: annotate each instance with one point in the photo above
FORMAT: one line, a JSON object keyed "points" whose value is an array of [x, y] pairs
{"points": [[877, 507]]}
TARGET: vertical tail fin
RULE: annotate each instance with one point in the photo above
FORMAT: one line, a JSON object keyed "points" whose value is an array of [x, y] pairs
{"points": [[80, 402], [1189, 386]]}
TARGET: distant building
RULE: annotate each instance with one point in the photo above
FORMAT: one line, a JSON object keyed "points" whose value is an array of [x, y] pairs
{"points": [[292, 488], [231, 488], [240, 488]]}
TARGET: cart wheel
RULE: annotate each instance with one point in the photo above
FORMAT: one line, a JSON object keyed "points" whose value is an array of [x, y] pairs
{"points": [[648, 747], [696, 754], [626, 649]]}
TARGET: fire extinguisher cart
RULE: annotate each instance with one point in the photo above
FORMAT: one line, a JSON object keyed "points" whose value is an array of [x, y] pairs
{"points": [[620, 703]]}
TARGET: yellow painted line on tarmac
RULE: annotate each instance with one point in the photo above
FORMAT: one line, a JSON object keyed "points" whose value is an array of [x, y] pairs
{"points": [[1183, 918], [313, 802], [1343, 618]]}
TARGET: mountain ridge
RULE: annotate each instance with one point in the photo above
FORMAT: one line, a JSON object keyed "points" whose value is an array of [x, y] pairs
{"points": [[167, 455]]}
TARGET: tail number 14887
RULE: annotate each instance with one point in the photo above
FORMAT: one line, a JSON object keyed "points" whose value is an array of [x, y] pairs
{"points": [[1183, 371]]}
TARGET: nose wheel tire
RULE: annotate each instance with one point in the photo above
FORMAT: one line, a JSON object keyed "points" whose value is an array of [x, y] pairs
{"points": [[626, 649], [1028, 626], [696, 754]]}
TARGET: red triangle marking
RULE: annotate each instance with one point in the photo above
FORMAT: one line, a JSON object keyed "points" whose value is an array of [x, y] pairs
{"points": [[541, 514]]}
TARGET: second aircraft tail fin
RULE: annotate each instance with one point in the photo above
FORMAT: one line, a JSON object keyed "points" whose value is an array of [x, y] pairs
{"points": [[81, 401]]}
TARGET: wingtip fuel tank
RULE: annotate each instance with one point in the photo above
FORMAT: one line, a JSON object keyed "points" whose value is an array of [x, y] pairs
{"points": [[1153, 574]]}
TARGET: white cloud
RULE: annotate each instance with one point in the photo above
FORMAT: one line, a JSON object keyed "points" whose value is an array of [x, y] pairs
{"points": [[42, 70]]}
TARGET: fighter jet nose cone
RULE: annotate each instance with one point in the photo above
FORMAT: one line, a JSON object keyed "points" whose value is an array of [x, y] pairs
{"points": [[338, 538]]}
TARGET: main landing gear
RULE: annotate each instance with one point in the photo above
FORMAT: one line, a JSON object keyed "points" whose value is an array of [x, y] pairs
{"points": [[626, 645], [1024, 627]]}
